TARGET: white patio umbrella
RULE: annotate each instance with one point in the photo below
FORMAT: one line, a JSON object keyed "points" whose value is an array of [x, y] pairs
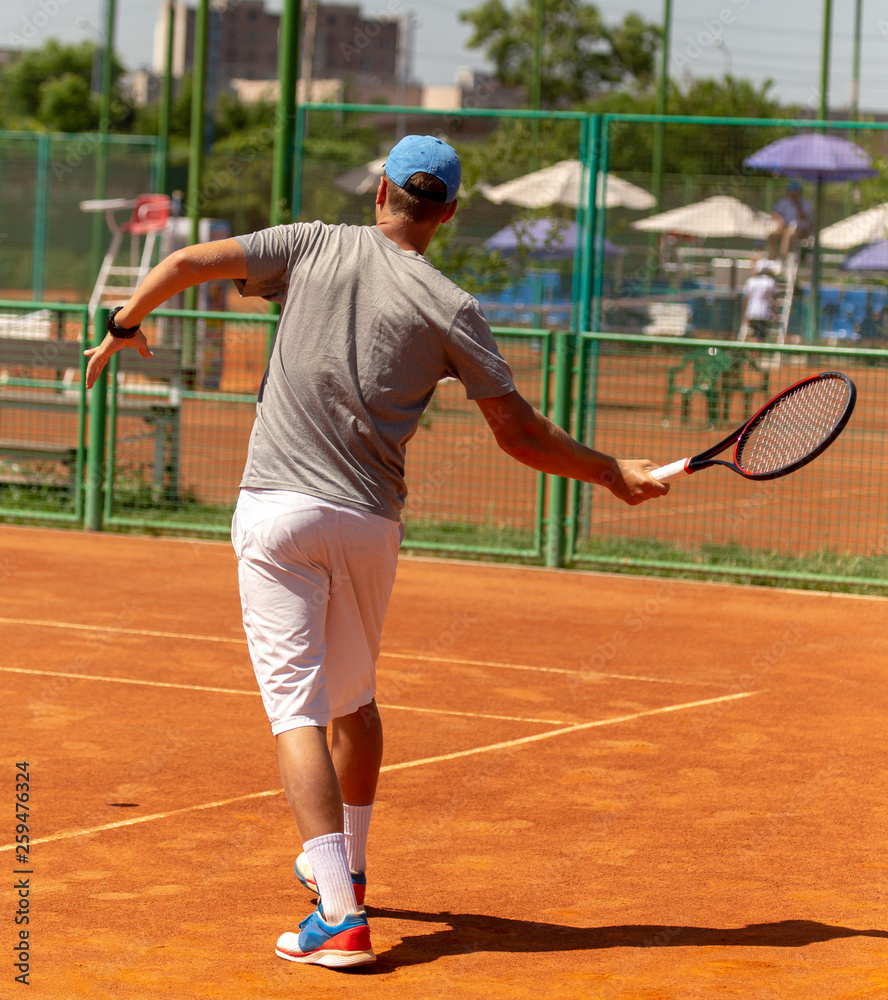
{"points": [[360, 180], [719, 216], [864, 227], [560, 185]]}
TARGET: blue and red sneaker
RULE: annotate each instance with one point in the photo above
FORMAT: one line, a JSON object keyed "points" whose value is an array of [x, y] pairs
{"points": [[336, 946], [306, 876]]}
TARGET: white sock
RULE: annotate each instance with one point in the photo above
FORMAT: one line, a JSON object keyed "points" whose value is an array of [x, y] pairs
{"points": [[357, 826], [329, 863]]}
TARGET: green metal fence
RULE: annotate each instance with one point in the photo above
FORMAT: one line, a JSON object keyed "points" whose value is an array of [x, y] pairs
{"points": [[177, 434], [465, 495], [162, 447], [43, 410], [667, 398], [701, 272], [176, 446], [49, 247], [660, 311], [158, 445], [595, 268]]}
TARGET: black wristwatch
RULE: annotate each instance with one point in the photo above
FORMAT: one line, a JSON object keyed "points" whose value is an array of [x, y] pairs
{"points": [[121, 332]]}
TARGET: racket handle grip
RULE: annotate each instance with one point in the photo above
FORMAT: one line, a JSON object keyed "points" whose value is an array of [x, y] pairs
{"points": [[675, 470]]}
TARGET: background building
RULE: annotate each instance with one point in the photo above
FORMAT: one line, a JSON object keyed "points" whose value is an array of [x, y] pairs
{"points": [[369, 55]]}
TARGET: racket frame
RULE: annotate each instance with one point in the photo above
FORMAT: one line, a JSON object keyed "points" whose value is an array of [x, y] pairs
{"points": [[706, 458]]}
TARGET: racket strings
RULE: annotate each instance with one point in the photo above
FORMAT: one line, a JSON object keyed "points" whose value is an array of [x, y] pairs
{"points": [[793, 426]]}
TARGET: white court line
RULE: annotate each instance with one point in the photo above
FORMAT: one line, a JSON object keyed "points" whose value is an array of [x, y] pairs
{"points": [[570, 729], [126, 680], [118, 629], [255, 694], [474, 715], [393, 767], [70, 834], [543, 670], [396, 656]]}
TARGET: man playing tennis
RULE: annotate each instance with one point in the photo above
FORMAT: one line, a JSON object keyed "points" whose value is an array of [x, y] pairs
{"points": [[367, 329]]}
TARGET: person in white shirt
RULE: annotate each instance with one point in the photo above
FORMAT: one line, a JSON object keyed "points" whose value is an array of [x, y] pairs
{"points": [[758, 300]]}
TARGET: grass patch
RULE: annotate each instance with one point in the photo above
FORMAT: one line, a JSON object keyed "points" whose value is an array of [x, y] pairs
{"points": [[137, 497], [35, 496], [464, 537], [832, 571]]}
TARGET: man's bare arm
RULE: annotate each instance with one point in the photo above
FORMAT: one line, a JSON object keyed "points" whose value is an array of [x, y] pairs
{"points": [[532, 439], [182, 269]]}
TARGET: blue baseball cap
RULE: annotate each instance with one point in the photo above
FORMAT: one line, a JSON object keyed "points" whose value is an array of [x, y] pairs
{"points": [[429, 155], [793, 186]]}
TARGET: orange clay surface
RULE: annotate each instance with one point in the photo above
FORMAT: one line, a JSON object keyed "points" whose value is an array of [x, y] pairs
{"points": [[595, 787]]}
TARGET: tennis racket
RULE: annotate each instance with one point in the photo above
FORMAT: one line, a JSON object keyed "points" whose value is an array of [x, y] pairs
{"points": [[787, 433]]}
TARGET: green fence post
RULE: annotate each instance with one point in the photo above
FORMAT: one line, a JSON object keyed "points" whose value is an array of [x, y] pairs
{"points": [[593, 241], [557, 513], [41, 216], [298, 154], [285, 117], [602, 154], [95, 456]]}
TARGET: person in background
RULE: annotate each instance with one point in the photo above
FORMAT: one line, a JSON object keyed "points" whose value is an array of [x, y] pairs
{"points": [[758, 301], [792, 220]]}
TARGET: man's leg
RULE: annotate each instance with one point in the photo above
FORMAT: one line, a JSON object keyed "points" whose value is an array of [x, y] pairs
{"points": [[310, 781], [357, 756], [281, 540], [336, 934], [364, 574], [317, 784], [312, 790]]}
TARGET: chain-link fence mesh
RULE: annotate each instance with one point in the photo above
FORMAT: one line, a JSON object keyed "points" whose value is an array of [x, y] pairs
{"points": [[669, 400], [49, 246], [43, 410], [543, 247]]}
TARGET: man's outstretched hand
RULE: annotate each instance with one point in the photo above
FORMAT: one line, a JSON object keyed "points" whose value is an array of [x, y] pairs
{"points": [[630, 481], [101, 355]]}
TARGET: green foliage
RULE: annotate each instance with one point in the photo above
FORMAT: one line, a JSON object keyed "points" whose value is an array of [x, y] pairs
{"points": [[237, 187], [238, 172], [692, 150], [467, 262], [66, 105], [581, 54], [233, 119], [516, 147], [50, 88], [728, 97], [875, 191], [147, 118]]}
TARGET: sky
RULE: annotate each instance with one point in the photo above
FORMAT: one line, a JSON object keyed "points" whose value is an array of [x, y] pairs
{"points": [[759, 39]]}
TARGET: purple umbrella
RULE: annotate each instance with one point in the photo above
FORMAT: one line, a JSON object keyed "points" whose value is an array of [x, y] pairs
{"points": [[873, 257], [548, 238], [812, 156]]}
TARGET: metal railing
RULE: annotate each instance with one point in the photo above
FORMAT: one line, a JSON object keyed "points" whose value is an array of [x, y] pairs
{"points": [[162, 448]]}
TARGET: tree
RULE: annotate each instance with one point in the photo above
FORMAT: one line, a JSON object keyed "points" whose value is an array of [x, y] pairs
{"points": [[693, 150], [50, 88], [66, 105], [581, 55]]}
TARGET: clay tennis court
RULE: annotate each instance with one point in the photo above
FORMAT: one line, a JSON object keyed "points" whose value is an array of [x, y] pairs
{"points": [[595, 786]]}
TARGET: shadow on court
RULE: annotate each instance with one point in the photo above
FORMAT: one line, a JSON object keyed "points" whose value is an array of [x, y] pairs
{"points": [[467, 933]]}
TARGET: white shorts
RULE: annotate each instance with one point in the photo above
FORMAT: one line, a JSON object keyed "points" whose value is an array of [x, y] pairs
{"points": [[315, 580]]}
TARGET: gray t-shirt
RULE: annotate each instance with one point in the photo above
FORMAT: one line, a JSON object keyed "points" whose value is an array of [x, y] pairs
{"points": [[367, 330]]}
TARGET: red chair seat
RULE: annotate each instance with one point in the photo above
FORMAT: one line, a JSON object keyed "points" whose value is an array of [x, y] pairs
{"points": [[150, 215]]}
